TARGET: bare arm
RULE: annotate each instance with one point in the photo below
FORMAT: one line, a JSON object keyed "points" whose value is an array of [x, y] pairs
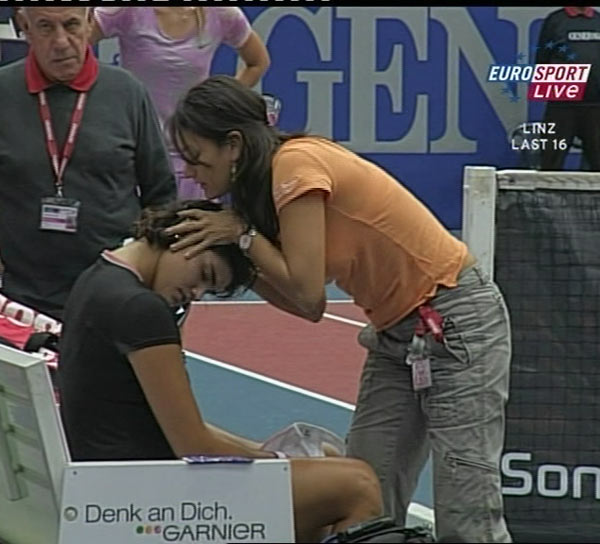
{"points": [[251, 444], [297, 272], [256, 59], [161, 374], [274, 297]]}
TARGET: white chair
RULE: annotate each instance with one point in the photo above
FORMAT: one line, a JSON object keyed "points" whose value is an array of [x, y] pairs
{"points": [[45, 498]]}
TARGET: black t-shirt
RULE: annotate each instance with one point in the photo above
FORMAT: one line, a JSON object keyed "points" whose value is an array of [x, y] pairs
{"points": [[109, 314], [581, 37]]}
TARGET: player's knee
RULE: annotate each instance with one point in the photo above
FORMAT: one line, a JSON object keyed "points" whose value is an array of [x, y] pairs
{"points": [[366, 489]]}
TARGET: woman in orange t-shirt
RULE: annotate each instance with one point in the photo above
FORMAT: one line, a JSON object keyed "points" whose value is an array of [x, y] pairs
{"points": [[308, 211]]}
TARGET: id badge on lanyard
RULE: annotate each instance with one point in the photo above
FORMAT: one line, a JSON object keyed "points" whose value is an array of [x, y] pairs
{"points": [[58, 213]]}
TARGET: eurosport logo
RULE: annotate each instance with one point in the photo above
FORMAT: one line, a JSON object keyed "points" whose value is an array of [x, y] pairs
{"points": [[556, 82]]}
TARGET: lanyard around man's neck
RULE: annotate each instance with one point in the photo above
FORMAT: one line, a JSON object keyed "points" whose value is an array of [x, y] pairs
{"points": [[59, 163]]}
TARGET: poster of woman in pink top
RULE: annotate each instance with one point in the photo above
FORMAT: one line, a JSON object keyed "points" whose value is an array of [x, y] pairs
{"points": [[169, 49]]}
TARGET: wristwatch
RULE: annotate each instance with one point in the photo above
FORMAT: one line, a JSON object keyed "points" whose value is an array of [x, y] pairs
{"points": [[246, 238]]}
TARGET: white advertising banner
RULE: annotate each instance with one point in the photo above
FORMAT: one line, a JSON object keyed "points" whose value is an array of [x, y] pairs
{"points": [[160, 502]]}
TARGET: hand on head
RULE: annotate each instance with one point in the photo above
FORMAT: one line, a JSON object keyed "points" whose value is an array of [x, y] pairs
{"points": [[216, 265], [203, 229]]}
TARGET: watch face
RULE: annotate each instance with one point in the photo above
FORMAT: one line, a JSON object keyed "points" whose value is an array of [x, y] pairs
{"points": [[245, 241]]}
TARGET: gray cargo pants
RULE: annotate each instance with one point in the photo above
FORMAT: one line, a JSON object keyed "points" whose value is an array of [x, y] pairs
{"points": [[460, 419]]}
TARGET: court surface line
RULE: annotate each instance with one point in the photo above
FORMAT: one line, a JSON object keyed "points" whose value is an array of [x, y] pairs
{"points": [[344, 320], [418, 513], [271, 381]]}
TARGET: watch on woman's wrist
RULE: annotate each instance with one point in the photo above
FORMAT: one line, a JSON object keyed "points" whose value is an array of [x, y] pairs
{"points": [[245, 239]]}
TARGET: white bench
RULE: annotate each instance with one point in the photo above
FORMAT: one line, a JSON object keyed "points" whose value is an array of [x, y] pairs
{"points": [[45, 498]]}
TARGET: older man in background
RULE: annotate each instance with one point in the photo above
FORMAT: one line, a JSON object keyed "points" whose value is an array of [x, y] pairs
{"points": [[80, 154]]}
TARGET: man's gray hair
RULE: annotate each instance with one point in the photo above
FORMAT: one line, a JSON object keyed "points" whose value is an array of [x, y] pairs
{"points": [[24, 10]]}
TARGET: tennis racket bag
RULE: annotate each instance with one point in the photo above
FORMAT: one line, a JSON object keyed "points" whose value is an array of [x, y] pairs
{"points": [[382, 530]]}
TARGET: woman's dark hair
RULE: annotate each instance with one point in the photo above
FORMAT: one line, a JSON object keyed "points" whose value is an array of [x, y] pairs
{"points": [[212, 110], [155, 220]]}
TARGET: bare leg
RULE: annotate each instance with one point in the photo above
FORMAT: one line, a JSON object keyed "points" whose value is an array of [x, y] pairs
{"points": [[332, 493]]}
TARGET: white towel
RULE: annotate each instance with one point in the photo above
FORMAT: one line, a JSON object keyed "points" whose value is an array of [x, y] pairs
{"points": [[304, 440]]}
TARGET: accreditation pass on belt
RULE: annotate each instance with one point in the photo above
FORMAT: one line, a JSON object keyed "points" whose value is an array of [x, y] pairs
{"points": [[419, 364], [59, 214], [421, 374]]}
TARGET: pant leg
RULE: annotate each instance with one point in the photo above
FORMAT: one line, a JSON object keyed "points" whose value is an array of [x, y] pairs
{"points": [[588, 129], [388, 428], [465, 409], [565, 123]]}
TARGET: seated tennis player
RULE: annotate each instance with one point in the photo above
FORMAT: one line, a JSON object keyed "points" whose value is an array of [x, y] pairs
{"points": [[125, 393]]}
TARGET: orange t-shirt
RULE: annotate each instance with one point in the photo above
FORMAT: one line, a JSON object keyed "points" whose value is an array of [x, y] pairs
{"points": [[383, 246]]}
